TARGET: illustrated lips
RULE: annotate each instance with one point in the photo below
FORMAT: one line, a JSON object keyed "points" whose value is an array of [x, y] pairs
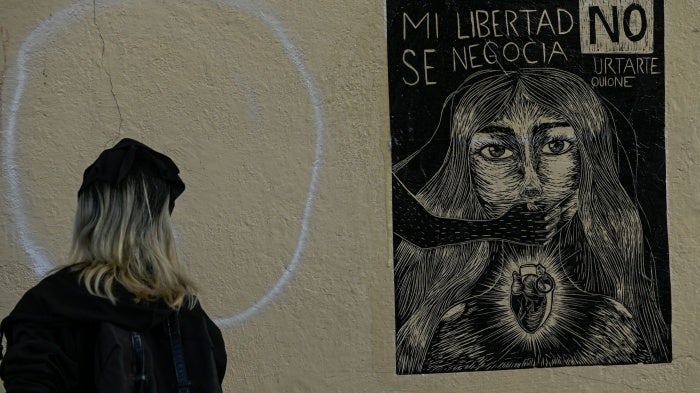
{"points": [[531, 296]]}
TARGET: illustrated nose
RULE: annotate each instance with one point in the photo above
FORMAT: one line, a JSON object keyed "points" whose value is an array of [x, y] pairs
{"points": [[531, 187]]}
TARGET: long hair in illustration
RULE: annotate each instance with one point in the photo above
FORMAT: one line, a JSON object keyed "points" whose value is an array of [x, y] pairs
{"points": [[429, 282]]}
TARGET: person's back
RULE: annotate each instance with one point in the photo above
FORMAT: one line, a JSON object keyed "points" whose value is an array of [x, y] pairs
{"points": [[124, 316]]}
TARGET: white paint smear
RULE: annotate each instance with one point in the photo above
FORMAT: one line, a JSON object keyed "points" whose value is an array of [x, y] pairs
{"points": [[49, 28]]}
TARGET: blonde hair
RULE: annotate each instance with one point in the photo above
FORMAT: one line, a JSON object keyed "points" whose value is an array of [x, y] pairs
{"points": [[124, 235]]}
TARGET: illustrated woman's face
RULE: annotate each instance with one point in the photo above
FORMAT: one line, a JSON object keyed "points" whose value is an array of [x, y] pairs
{"points": [[525, 157]]}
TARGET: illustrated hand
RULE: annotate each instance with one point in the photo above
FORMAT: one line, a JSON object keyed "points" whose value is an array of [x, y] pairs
{"points": [[523, 226]]}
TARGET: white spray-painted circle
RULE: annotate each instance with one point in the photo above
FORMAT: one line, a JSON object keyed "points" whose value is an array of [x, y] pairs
{"points": [[58, 21]]}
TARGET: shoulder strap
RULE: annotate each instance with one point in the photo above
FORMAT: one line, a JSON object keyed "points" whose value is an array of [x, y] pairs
{"points": [[183, 383], [139, 362]]}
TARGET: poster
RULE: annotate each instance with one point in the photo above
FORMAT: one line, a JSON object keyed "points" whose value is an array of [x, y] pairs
{"points": [[528, 184]]}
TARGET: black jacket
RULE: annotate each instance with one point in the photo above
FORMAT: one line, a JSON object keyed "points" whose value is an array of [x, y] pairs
{"points": [[51, 337]]}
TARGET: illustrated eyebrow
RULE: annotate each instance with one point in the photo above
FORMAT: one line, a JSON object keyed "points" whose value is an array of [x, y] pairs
{"points": [[548, 126], [497, 130]]}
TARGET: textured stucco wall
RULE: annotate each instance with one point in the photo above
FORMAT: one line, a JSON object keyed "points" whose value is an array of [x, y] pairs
{"points": [[235, 92]]}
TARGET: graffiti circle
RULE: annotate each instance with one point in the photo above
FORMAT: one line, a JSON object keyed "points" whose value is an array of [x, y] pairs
{"points": [[59, 20]]}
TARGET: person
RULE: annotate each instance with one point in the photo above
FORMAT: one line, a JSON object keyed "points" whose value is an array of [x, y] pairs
{"points": [[539, 137], [124, 282]]}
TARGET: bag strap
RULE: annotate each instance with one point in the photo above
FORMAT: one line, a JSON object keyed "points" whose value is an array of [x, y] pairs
{"points": [[183, 383], [140, 362]]}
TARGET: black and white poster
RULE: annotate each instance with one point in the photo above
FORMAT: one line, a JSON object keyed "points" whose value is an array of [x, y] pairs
{"points": [[528, 184]]}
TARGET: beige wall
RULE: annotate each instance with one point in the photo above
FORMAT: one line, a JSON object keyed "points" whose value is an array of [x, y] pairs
{"points": [[215, 87]]}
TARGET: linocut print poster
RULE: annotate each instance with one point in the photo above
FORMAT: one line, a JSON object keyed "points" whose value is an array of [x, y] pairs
{"points": [[528, 187]]}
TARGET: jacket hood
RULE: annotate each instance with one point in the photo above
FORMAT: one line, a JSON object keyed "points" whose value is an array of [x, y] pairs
{"points": [[61, 299]]}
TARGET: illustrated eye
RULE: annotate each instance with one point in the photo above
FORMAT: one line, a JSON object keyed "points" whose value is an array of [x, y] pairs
{"points": [[557, 146], [495, 152]]}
